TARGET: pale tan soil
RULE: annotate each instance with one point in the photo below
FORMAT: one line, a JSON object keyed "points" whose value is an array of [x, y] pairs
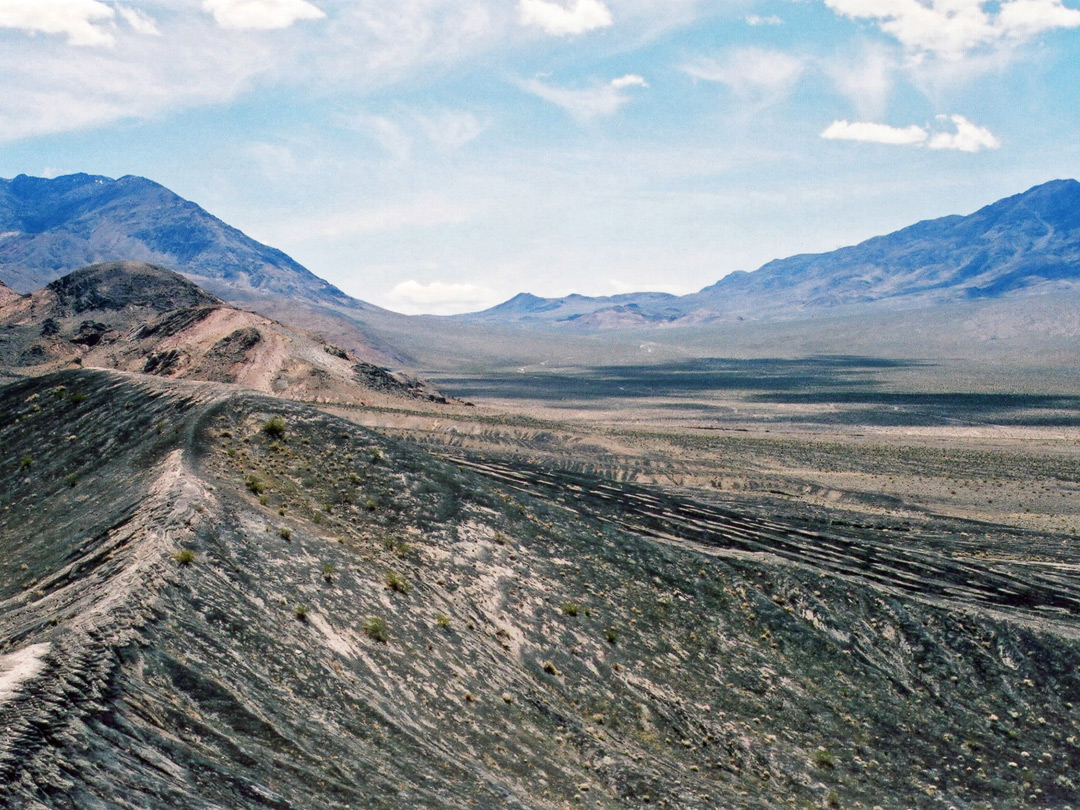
{"points": [[1026, 477]]}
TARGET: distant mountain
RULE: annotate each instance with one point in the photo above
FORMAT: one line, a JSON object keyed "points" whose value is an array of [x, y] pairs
{"points": [[49, 227], [1023, 244], [633, 309], [139, 317]]}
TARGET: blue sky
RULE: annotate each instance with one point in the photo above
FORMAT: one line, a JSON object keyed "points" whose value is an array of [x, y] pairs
{"points": [[444, 155]]}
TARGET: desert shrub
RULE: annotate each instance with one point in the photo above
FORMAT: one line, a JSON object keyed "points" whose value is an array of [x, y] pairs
{"points": [[611, 635], [285, 533], [76, 397], [26, 462], [328, 572], [255, 485], [824, 759], [375, 628], [396, 582], [443, 621], [301, 613], [72, 480], [571, 609], [184, 556], [274, 428]]}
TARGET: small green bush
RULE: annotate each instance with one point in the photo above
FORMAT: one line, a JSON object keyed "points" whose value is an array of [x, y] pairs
{"points": [[611, 635], [72, 480], [824, 759], [396, 582], [301, 613], [375, 628], [26, 462], [285, 533], [571, 609], [443, 621], [184, 556], [255, 485], [329, 572], [274, 428]]}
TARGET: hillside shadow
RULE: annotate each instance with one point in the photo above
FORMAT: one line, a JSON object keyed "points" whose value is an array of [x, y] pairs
{"points": [[858, 389], [768, 376]]}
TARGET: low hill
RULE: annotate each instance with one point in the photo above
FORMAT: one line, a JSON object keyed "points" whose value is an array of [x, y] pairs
{"points": [[139, 317]]}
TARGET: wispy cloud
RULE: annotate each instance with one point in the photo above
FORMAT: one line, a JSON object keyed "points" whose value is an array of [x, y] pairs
{"points": [[864, 77], [757, 19], [758, 76], [561, 20], [260, 14], [140, 22], [952, 29], [427, 211], [965, 137], [588, 103], [451, 129], [79, 20]]}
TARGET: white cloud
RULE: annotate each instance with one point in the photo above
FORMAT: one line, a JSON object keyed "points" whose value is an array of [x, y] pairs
{"points": [[951, 29], [260, 14], [451, 129], [757, 19], [874, 133], [586, 104], [79, 20], [560, 20], [140, 22], [439, 296], [967, 138], [758, 76]]}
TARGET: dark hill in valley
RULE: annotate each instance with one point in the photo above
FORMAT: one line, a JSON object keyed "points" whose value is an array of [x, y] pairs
{"points": [[139, 317]]}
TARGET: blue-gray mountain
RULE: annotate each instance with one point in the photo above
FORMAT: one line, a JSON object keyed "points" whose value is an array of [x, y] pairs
{"points": [[1023, 244], [50, 227]]}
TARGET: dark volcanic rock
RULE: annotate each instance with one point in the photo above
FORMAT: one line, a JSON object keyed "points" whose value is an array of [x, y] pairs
{"points": [[121, 285], [212, 599]]}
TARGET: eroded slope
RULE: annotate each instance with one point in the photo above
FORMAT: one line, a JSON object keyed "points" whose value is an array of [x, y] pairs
{"points": [[359, 624]]}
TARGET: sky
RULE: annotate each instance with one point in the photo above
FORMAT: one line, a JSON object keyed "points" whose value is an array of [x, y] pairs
{"points": [[444, 155]]}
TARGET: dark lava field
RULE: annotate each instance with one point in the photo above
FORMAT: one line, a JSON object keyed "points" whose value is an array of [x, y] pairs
{"points": [[214, 599]]}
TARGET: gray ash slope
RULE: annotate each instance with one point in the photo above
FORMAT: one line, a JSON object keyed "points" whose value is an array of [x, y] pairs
{"points": [[582, 659]]}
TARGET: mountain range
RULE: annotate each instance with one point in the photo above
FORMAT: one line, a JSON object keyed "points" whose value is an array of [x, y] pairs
{"points": [[1003, 256], [1028, 243]]}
